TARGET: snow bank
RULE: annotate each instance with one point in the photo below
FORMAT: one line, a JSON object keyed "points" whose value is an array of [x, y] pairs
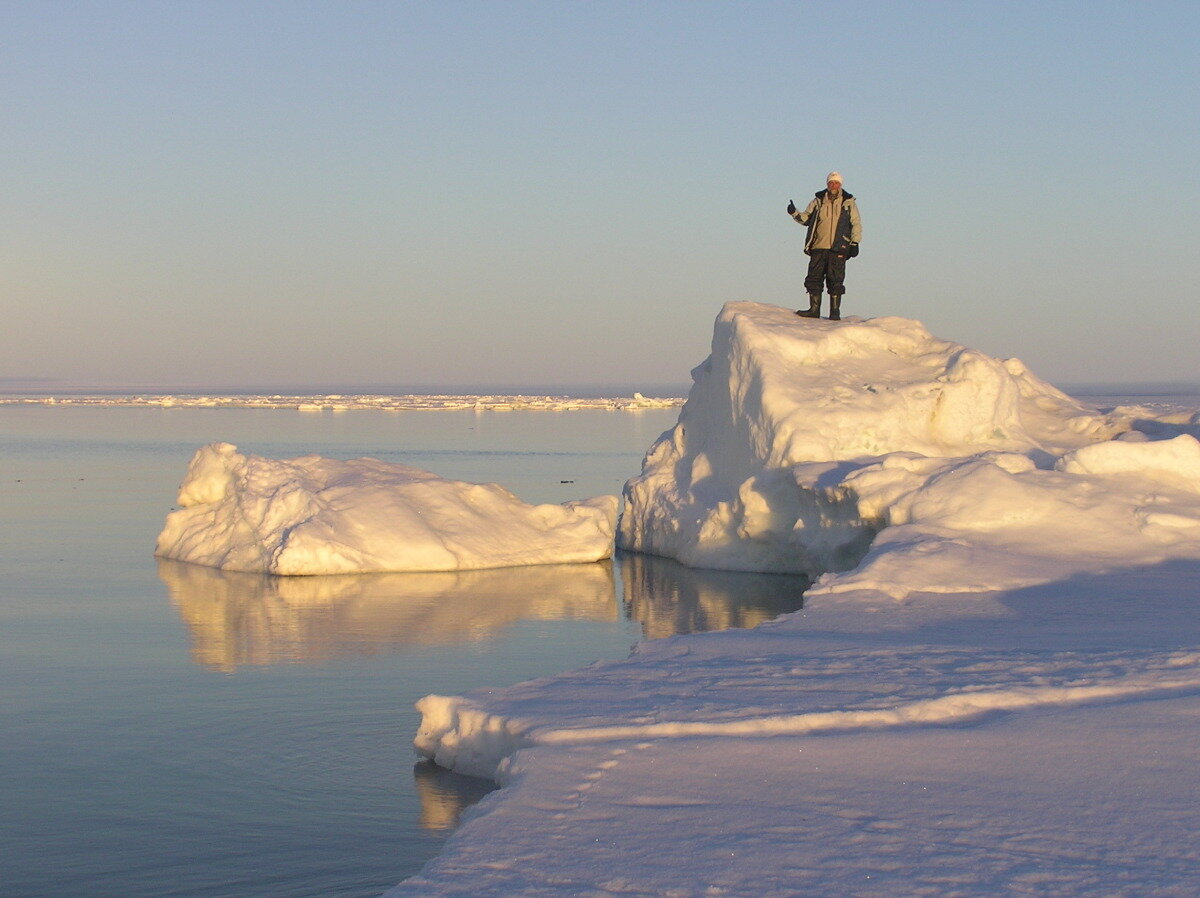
{"points": [[316, 515], [994, 521], [458, 734], [801, 440]]}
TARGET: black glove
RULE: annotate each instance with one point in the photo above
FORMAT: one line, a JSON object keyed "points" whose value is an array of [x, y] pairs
{"points": [[791, 208], [852, 251]]}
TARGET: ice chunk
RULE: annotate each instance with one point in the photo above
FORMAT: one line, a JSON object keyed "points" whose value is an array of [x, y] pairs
{"points": [[316, 515], [1175, 461], [754, 475]]}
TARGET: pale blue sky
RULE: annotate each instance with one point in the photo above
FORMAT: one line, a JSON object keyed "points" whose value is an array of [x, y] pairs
{"points": [[508, 193]]}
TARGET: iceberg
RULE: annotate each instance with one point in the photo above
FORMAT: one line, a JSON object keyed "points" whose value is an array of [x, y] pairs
{"points": [[801, 441], [315, 515]]}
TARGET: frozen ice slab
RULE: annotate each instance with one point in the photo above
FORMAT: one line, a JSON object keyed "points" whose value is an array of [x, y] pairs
{"points": [[316, 515]]}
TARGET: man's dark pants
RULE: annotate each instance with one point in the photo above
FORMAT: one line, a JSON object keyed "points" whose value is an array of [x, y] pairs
{"points": [[824, 265]]}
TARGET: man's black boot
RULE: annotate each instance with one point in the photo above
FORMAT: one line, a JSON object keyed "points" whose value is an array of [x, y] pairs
{"points": [[814, 307], [835, 308]]}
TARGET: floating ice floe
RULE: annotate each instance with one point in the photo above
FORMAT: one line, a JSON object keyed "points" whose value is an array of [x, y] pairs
{"points": [[316, 515]]}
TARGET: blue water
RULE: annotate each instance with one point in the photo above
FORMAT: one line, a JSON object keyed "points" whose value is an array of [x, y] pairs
{"points": [[172, 730]]}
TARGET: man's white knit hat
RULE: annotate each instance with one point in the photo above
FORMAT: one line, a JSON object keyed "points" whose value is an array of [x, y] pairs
{"points": [[833, 176]]}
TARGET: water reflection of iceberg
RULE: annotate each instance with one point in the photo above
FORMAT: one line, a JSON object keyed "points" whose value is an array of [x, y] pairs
{"points": [[445, 794], [667, 598], [241, 619]]}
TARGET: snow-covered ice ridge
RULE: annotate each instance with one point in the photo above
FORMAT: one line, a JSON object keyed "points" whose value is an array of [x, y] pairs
{"points": [[798, 445], [339, 402], [993, 688]]}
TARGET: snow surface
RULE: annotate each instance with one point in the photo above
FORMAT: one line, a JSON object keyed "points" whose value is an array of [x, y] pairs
{"points": [[316, 515], [993, 688]]}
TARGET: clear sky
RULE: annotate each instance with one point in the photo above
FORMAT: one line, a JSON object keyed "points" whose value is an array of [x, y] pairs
{"points": [[521, 193]]}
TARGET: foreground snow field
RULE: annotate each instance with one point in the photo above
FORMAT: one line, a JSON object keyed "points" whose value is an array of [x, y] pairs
{"points": [[994, 687], [1005, 749]]}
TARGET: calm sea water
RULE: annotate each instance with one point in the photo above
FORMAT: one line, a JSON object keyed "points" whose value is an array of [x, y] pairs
{"points": [[172, 730]]}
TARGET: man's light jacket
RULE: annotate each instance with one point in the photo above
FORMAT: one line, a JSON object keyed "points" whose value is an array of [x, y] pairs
{"points": [[848, 229]]}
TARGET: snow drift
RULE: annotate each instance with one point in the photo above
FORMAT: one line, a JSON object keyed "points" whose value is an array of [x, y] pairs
{"points": [[802, 440], [316, 515]]}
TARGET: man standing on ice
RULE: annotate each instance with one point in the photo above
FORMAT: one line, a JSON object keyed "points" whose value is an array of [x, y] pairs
{"points": [[834, 230]]}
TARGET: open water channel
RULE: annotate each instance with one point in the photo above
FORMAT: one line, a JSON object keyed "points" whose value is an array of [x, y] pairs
{"points": [[167, 729]]}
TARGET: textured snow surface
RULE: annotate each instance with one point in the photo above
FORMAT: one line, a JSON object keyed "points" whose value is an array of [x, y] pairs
{"points": [[316, 515], [993, 688], [1028, 741]]}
